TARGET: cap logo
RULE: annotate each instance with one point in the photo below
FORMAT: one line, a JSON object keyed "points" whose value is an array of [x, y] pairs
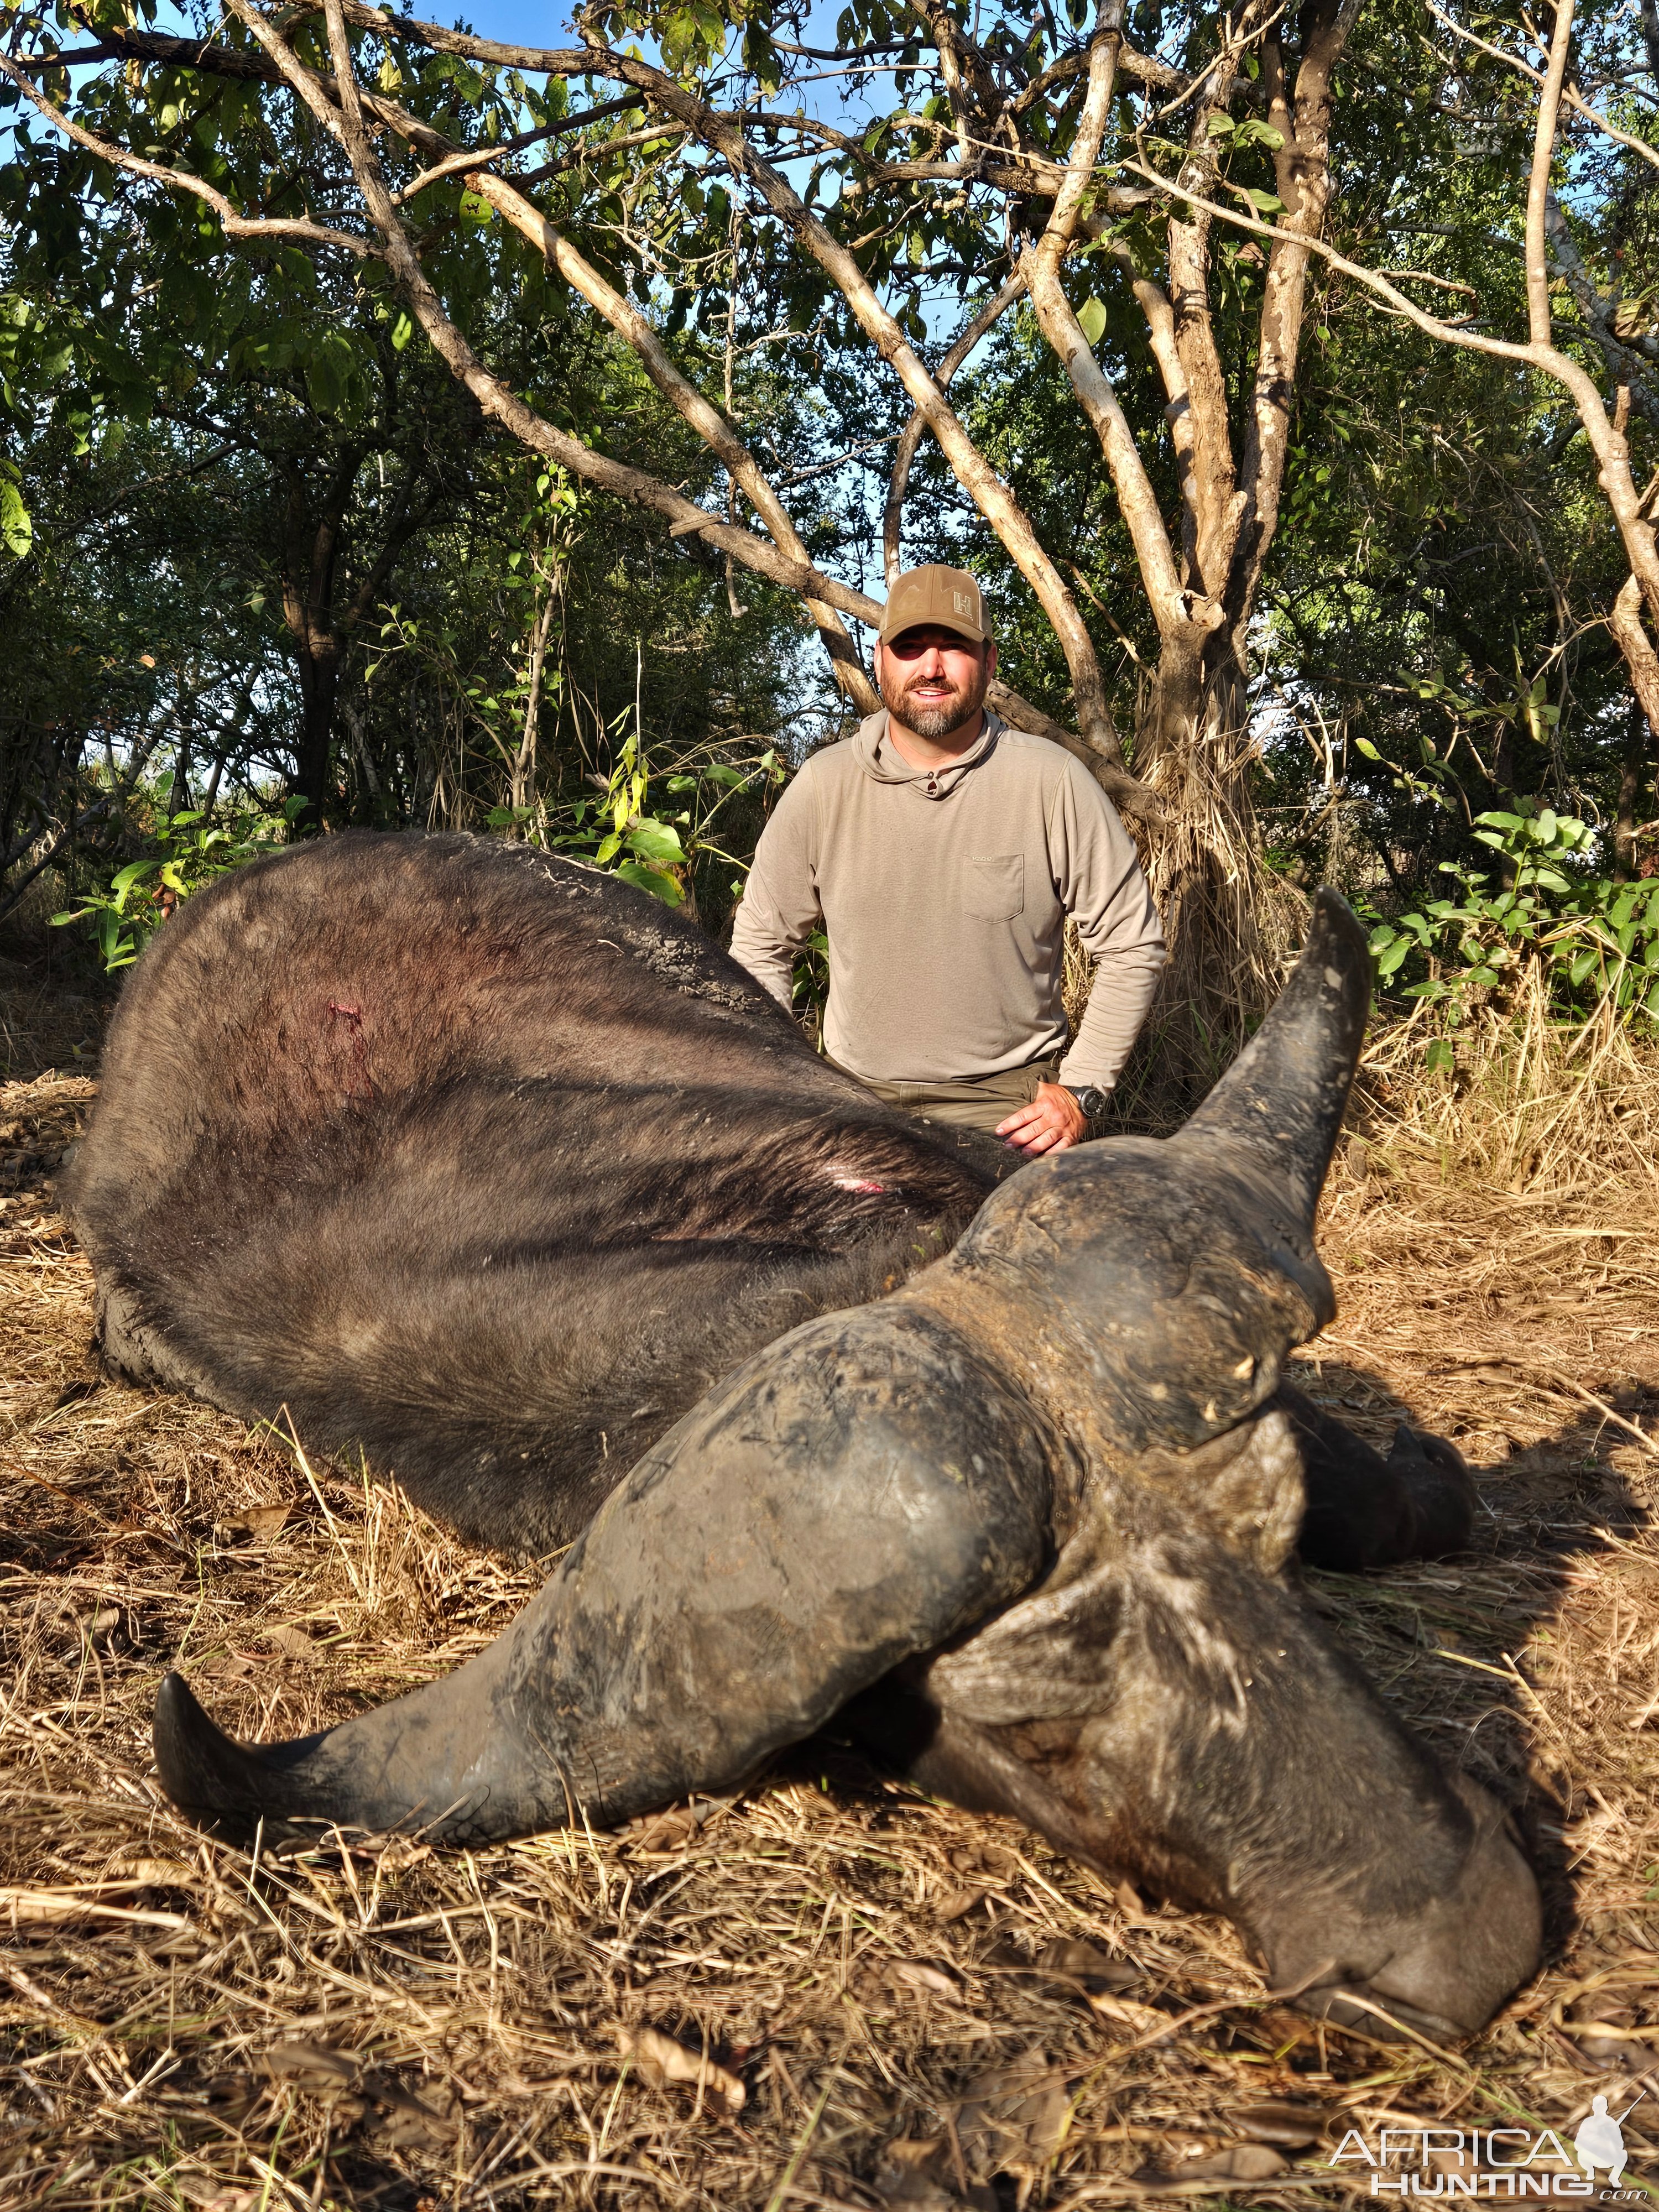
{"points": [[962, 603]]}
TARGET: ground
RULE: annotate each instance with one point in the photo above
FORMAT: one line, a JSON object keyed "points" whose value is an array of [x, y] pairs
{"points": [[829, 1991]]}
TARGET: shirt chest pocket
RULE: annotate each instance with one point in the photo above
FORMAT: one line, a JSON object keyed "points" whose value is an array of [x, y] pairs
{"points": [[993, 886]]}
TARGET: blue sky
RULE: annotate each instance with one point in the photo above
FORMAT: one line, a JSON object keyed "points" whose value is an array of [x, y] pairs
{"points": [[515, 22]]}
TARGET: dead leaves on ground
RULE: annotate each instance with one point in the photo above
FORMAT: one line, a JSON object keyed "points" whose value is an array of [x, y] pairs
{"points": [[661, 2060]]}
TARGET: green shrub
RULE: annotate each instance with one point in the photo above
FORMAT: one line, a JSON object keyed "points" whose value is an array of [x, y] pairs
{"points": [[1597, 941], [190, 851]]}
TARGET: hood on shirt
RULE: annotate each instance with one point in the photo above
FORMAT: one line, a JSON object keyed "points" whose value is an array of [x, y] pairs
{"points": [[883, 763]]}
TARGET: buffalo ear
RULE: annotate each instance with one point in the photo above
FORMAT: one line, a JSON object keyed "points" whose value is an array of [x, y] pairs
{"points": [[1048, 1657], [1053, 1655], [1246, 1487]]}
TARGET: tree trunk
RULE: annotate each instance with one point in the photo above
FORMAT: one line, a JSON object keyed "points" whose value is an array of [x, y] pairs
{"points": [[313, 751], [310, 542], [1633, 773], [524, 764], [1640, 659], [1229, 920]]}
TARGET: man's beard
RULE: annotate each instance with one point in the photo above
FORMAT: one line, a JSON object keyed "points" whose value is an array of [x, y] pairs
{"points": [[933, 722]]}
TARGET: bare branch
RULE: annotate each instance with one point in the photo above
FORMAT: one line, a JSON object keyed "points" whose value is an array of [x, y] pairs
{"points": [[480, 155], [706, 420], [1570, 94], [117, 41], [1302, 173], [1633, 641], [989, 494], [1041, 265], [910, 439], [1606, 442], [624, 143], [1628, 365], [1538, 183], [1145, 69]]}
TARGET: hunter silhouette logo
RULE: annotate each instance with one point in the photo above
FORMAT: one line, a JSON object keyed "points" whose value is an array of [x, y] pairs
{"points": [[1600, 2140]]}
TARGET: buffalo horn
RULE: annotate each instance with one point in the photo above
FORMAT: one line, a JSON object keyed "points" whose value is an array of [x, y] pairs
{"points": [[1282, 1100]]}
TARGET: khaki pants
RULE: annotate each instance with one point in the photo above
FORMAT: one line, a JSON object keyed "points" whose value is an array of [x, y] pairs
{"points": [[974, 1101]]}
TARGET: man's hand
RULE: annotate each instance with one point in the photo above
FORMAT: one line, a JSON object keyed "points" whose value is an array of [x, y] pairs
{"points": [[1053, 1121]]}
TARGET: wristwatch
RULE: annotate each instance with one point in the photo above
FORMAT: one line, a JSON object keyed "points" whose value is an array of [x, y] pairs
{"points": [[1091, 1100]]}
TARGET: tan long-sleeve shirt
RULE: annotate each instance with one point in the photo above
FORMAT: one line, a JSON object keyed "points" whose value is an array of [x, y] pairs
{"points": [[943, 895]]}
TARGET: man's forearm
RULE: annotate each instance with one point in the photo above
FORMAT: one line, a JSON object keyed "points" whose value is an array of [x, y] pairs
{"points": [[1124, 986], [771, 962]]}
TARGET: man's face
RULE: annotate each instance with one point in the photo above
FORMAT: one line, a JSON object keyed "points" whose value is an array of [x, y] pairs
{"points": [[932, 680]]}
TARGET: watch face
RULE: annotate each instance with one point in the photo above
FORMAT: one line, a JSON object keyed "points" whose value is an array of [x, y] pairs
{"points": [[1092, 1101]]}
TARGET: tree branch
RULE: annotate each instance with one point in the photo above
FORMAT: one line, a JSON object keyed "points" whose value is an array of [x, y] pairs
{"points": [[689, 403], [1061, 327], [1625, 364], [1538, 183], [1301, 173], [1606, 442], [1214, 506], [181, 180], [910, 439], [1640, 659], [1570, 94], [339, 106], [479, 155]]}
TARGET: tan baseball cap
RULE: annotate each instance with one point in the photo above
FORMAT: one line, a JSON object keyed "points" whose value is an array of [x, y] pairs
{"points": [[947, 598]]}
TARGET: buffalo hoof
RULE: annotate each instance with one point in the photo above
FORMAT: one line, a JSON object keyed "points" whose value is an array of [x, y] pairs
{"points": [[1439, 1491], [1365, 1511]]}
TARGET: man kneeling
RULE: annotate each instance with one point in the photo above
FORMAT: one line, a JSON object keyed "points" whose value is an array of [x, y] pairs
{"points": [[942, 854]]}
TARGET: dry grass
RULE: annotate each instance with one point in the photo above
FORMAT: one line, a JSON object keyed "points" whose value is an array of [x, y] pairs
{"points": [[875, 1976]]}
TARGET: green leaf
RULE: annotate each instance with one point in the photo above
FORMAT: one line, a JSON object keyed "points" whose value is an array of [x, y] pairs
{"points": [[656, 840], [1365, 746], [1438, 1058], [648, 880], [1091, 321], [1264, 202], [16, 531], [402, 330]]}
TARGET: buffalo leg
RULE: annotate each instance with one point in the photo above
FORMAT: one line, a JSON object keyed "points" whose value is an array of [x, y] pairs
{"points": [[1366, 1512]]}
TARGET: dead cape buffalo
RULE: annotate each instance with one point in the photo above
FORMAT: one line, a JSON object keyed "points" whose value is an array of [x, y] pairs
{"points": [[484, 1163]]}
